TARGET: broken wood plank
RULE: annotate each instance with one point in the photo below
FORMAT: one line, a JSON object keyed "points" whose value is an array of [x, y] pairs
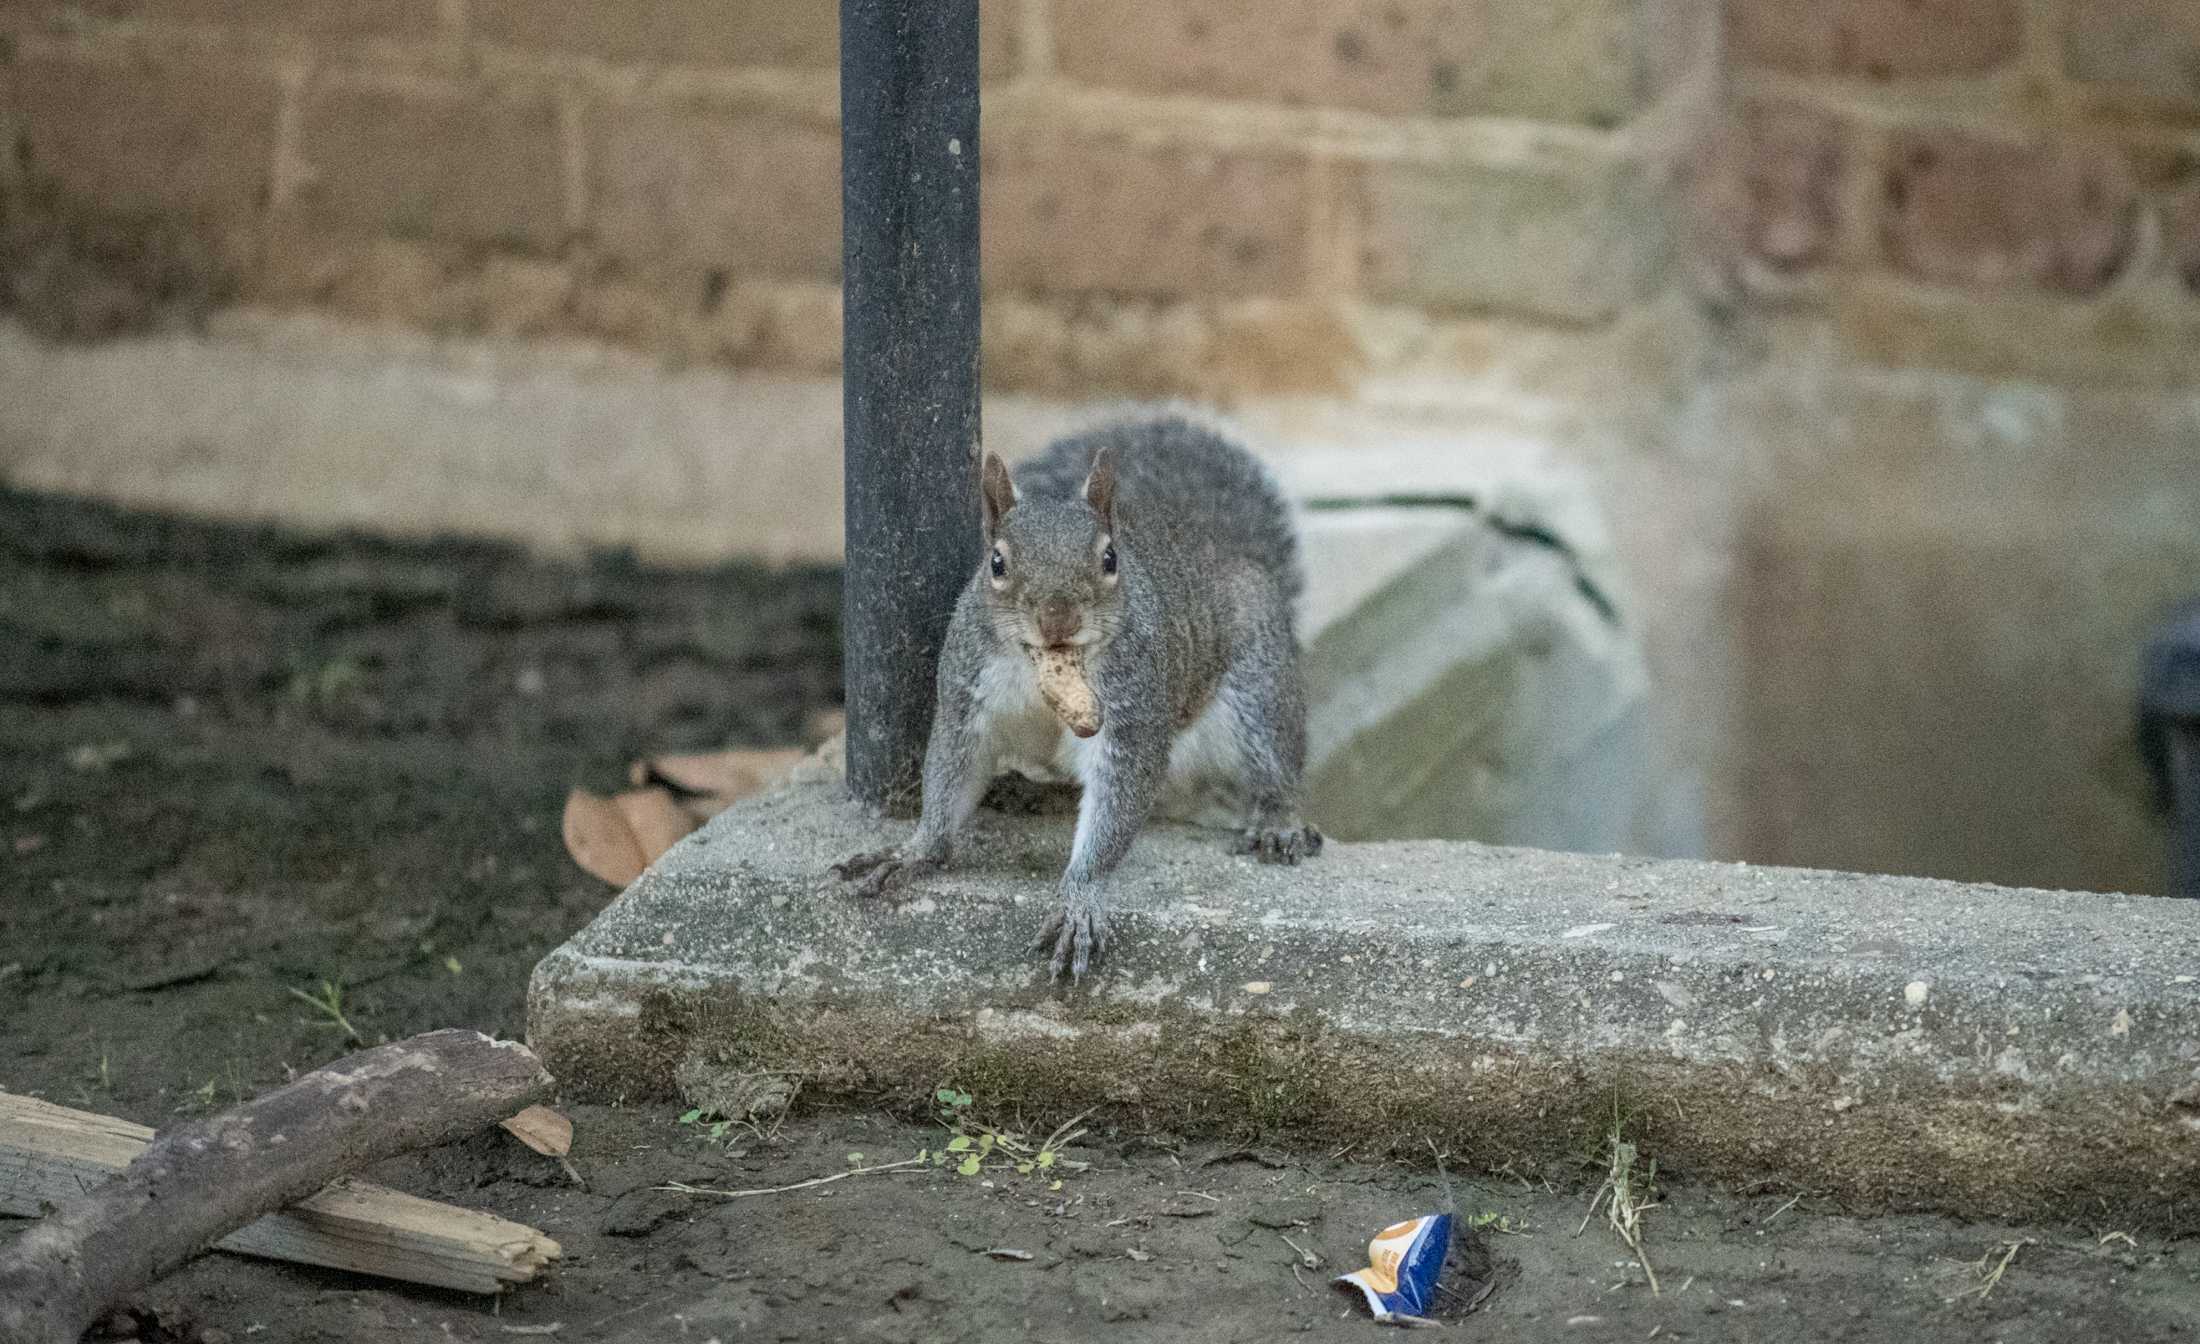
{"points": [[198, 1182], [50, 1153]]}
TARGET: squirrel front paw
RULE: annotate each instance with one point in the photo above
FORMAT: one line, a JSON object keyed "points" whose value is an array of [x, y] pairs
{"points": [[1077, 934], [1287, 845], [882, 872]]}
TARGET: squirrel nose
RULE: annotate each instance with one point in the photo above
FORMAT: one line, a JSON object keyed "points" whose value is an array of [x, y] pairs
{"points": [[1058, 623]]}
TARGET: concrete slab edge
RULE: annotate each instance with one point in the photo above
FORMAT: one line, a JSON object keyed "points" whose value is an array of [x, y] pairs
{"points": [[1896, 1043]]}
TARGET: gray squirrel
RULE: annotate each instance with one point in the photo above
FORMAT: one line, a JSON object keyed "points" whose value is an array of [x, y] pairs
{"points": [[1163, 554]]}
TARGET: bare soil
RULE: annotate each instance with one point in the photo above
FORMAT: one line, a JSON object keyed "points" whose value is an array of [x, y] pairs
{"points": [[239, 762]]}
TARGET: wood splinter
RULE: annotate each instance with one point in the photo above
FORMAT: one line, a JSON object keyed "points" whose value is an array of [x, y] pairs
{"points": [[197, 1182]]}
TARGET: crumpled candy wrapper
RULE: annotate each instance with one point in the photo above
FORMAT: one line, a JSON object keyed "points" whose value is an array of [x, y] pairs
{"points": [[1403, 1262]]}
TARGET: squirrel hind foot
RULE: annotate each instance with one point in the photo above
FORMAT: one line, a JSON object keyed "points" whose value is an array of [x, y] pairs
{"points": [[881, 873], [858, 865], [1285, 845]]}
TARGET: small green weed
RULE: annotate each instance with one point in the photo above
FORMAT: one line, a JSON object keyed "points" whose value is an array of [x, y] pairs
{"points": [[328, 1003], [976, 1147], [712, 1128]]}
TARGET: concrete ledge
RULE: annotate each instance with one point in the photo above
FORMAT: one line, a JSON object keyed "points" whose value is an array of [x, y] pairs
{"points": [[1898, 1042]]}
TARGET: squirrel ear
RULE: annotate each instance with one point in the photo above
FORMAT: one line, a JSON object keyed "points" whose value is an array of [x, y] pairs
{"points": [[999, 490], [1100, 485]]}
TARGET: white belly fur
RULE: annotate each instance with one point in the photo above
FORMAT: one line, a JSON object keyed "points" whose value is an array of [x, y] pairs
{"points": [[1030, 741]]}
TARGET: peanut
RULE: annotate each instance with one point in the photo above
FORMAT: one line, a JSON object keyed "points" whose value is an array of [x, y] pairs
{"points": [[1063, 686]]}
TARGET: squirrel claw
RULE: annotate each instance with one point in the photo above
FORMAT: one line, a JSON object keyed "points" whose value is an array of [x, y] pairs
{"points": [[1285, 846], [860, 864], [880, 872], [1076, 934]]}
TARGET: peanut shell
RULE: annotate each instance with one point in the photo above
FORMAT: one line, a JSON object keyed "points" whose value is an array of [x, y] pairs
{"points": [[1063, 686]]}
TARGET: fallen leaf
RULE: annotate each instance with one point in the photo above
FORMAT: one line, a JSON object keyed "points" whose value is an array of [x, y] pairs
{"points": [[708, 783], [542, 1129], [657, 820], [601, 839], [616, 838]]}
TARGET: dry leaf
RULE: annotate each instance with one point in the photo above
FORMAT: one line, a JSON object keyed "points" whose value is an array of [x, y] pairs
{"points": [[601, 839], [616, 838], [657, 819], [542, 1129], [709, 783]]}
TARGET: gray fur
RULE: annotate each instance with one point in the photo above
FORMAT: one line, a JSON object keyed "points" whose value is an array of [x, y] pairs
{"points": [[1190, 650]]}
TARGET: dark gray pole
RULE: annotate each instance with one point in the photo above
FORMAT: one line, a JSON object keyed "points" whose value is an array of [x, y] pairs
{"points": [[909, 218], [2169, 737]]}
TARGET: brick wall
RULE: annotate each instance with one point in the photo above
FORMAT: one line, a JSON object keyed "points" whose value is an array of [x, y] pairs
{"points": [[1993, 153], [1230, 179], [1226, 175]]}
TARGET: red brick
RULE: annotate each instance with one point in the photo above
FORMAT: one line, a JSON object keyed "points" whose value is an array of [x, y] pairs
{"points": [[463, 164], [2146, 47], [1964, 210], [1566, 60], [745, 194], [1875, 39], [1775, 184], [137, 136], [802, 33], [1064, 212], [2183, 229], [311, 18]]}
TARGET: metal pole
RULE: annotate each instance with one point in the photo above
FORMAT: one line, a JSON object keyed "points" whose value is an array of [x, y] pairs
{"points": [[2169, 737], [909, 219]]}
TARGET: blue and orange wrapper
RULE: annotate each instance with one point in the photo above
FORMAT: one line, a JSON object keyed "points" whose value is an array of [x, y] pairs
{"points": [[1402, 1264]]}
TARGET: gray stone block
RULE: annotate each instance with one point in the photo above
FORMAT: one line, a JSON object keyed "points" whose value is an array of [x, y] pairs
{"points": [[1468, 682], [1899, 1042]]}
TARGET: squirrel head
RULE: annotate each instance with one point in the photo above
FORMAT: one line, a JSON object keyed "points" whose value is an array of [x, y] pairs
{"points": [[1051, 573]]}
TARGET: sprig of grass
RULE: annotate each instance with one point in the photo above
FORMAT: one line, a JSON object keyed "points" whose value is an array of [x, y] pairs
{"points": [[1627, 1194], [329, 1003], [975, 1143]]}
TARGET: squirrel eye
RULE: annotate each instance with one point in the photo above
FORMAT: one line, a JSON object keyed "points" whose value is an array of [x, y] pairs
{"points": [[1000, 564], [1107, 560]]}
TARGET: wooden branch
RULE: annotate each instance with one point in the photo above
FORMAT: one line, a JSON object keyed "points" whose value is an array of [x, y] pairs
{"points": [[197, 1182], [50, 1154]]}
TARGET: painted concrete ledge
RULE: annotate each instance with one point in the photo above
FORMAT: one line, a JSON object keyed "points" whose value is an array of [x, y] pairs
{"points": [[1894, 1042]]}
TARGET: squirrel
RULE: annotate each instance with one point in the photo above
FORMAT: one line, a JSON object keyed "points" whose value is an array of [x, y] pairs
{"points": [[1160, 555]]}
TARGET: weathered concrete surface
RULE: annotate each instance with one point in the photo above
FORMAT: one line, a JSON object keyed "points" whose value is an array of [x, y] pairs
{"points": [[1901, 1042], [1478, 687]]}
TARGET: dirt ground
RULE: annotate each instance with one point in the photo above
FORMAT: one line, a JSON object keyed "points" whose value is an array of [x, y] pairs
{"points": [[239, 763]]}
